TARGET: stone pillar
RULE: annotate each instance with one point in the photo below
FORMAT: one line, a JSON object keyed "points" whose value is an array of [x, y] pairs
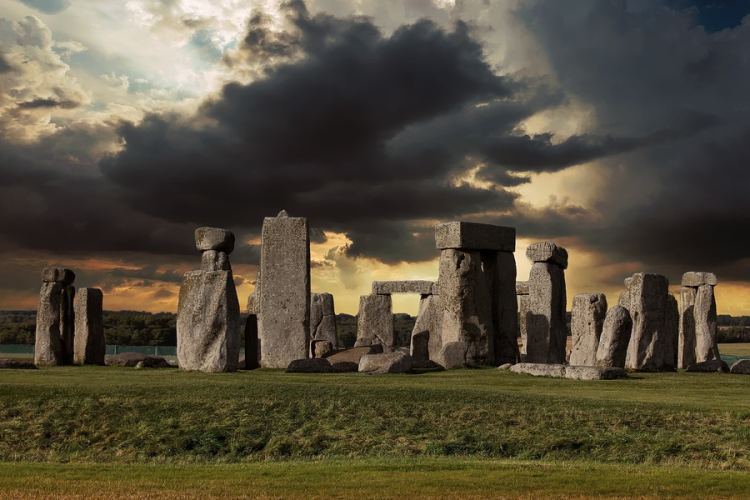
{"points": [[208, 312], [375, 322], [587, 322], [706, 347], [284, 320], [55, 328], [500, 270], [613, 344], [545, 320], [686, 345], [89, 344], [252, 353], [651, 345], [426, 338], [698, 319], [522, 292], [323, 319]]}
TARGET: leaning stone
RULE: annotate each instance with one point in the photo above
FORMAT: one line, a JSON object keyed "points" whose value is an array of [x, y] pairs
{"points": [[714, 365], [546, 330], [594, 373], [58, 275], [500, 274], [522, 287], [414, 286], [14, 364], [320, 348], [48, 348], [389, 362], [704, 312], [208, 322], [214, 238], [284, 320], [587, 321], [420, 347], [741, 367], [89, 345], [474, 236], [686, 343], [453, 355], [539, 369], [613, 344], [696, 279], [547, 251], [252, 349], [467, 305], [651, 342], [323, 318], [310, 365], [375, 322], [213, 260]]}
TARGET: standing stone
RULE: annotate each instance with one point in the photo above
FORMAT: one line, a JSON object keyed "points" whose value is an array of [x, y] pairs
{"points": [[651, 341], [587, 321], [467, 305], [323, 318], [252, 353], [89, 345], [686, 345], [524, 309], [706, 348], [429, 323], [613, 344], [420, 348], [500, 271], [672, 329], [546, 332], [284, 320], [55, 328], [375, 322], [253, 302]]}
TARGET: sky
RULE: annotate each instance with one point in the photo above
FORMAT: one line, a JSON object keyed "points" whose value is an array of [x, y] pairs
{"points": [[618, 129]]}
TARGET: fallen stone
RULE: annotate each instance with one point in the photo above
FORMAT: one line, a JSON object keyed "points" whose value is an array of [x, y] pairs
{"points": [[613, 344], [251, 360], [686, 342], [714, 365], [704, 312], [741, 367], [539, 369], [587, 322], [547, 251], [389, 362], [651, 343], [153, 362], [569, 372], [214, 238], [522, 287], [352, 355], [545, 321], [453, 355], [474, 236], [89, 345], [310, 365], [58, 275], [131, 359], [414, 286], [320, 348], [506, 366], [14, 364], [212, 260], [323, 318], [500, 274], [696, 279], [345, 367], [375, 322]]}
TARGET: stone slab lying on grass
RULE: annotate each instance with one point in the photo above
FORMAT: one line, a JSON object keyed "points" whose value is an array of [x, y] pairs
{"points": [[388, 362], [14, 364], [352, 355], [714, 365], [310, 365], [741, 367], [153, 362], [569, 372], [133, 358]]}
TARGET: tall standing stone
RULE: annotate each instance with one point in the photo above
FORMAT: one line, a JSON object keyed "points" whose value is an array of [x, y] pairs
{"points": [[546, 332], [686, 345], [375, 322], [706, 348], [587, 322], [500, 270], [55, 327], [522, 291], [89, 345], [323, 318], [284, 320], [252, 354], [613, 344], [651, 342], [208, 311], [428, 325]]}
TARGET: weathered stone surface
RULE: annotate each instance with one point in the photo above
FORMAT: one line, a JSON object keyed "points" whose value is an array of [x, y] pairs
{"points": [[323, 318], [14, 364], [713, 365], [430, 320], [741, 367], [546, 331], [467, 305], [704, 311], [131, 359], [413, 286], [500, 274], [284, 320], [420, 347], [375, 322], [523, 313], [208, 322], [587, 322], [624, 299], [613, 344], [345, 367], [252, 349], [214, 238], [474, 236], [253, 302], [453, 355], [352, 355], [539, 369], [505, 367], [672, 328], [213, 260], [522, 287], [54, 325], [696, 279], [547, 251], [310, 365], [686, 343], [628, 281], [319, 348], [58, 275], [388, 362], [89, 344], [569, 372], [651, 343]]}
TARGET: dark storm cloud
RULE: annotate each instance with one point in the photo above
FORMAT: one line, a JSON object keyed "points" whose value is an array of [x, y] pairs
{"points": [[48, 103]]}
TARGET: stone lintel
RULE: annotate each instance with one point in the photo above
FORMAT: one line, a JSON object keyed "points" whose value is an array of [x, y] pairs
{"points": [[474, 236]]}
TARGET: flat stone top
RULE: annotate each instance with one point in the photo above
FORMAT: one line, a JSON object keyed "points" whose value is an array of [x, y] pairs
{"points": [[90, 292], [522, 287], [214, 238], [547, 251], [474, 236], [695, 279], [58, 274], [411, 286]]}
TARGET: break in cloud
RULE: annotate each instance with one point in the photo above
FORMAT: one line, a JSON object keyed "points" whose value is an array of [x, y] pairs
{"points": [[377, 127]]}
